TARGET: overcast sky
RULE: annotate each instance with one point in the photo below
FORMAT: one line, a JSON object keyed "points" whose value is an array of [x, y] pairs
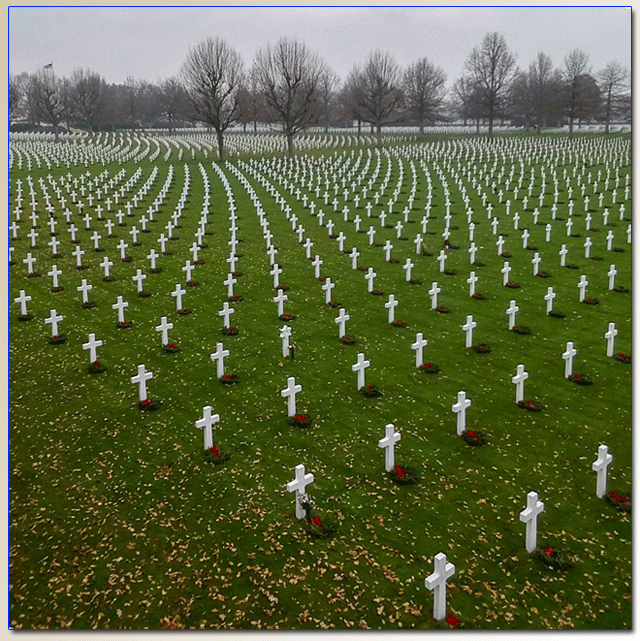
{"points": [[152, 42]]}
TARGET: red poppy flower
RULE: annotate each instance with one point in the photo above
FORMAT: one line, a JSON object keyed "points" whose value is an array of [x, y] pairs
{"points": [[400, 472], [214, 450], [548, 551], [96, 363], [171, 346], [452, 621], [300, 417], [621, 499], [427, 365], [577, 377], [317, 522], [472, 434], [146, 401]]}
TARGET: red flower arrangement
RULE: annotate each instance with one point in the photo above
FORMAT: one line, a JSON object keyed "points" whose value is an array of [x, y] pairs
{"points": [[89, 305], [235, 299], [403, 475], [300, 420], [580, 379], [590, 301], [414, 281], [348, 340], [571, 266], [556, 314], [554, 559], [185, 311], [57, 289], [334, 303], [97, 368], [125, 325], [215, 456], [398, 323], [229, 379], [230, 331], [621, 502], [144, 294], [622, 357], [429, 368], [452, 622], [512, 285], [192, 283], [505, 254], [171, 348], [400, 472], [481, 348], [531, 406], [287, 317], [479, 296], [58, 339], [478, 263], [473, 438], [149, 405], [621, 289], [450, 272], [377, 292], [442, 309], [370, 391], [521, 329]]}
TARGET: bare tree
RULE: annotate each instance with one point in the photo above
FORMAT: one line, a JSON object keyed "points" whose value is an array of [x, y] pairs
{"points": [[251, 101], [213, 75], [541, 80], [16, 97], [351, 97], [493, 67], [87, 96], [576, 65], [329, 83], [48, 98], [379, 95], [424, 91], [614, 85], [467, 99], [289, 75], [172, 99]]}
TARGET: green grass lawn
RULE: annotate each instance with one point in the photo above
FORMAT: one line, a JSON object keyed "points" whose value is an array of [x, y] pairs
{"points": [[116, 519]]}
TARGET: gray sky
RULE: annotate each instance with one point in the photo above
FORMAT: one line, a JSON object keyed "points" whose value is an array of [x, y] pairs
{"points": [[152, 42]]}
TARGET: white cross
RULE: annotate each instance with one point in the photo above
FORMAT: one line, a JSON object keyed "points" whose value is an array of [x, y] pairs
{"points": [[308, 246], [547, 232], [280, 299], [587, 247], [468, 328], [472, 253], [511, 312], [582, 286], [226, 312], [177, 294], [525, 238], [418, 346], [354, 258], [106, 264], [341, 239], [418, 243], [568, 359], [289, 392], [139, 278], [610, 335], [472, 280], [141, 379], [327, 287], [460, 409], [122, 246], [391, 306], [563, 255], [371, 233], [218, 356], [285, 333], [530, 516], [164, 327], [369, 277], [54, 244], [518, 380], [206, 424], [438, 583], [609, 240], [535, 261], [341, 321], [549, 296], [500, 244], [120, 305], [316, 263], [408, 266], [506, 270], [85, 288], [600, 466], [53, 320], [230, 282], [54, 273], [299, 485], [360, 368], [188, 268], [92, 345], [388, 443], [612, 276], [442, 257], [433, 292], [387, 250], [275, 272]]}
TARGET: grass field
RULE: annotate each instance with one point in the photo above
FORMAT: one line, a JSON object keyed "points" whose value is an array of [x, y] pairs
{"points": [[117, 520]]}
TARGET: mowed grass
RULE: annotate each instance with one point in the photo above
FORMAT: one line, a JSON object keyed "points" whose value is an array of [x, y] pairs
{"points": [[117, 522]]}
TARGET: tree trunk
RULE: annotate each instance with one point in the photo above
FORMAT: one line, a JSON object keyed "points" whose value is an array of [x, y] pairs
{"points": [[55, 131], [290, 147], [220, 136], [359, 128], [170, 125], [421, 128], [379, 136]]}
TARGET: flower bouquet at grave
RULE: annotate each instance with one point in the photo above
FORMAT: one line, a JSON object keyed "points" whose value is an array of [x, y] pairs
{"points": [[108, 279], [441, 309], [185, 311], [348, 340], [554, 559], [479, 296], [230, 331], [621, 289], [429, 368], [144, 294], [449, 272], [170, 348], [79, 267], [284, 288], [478, 263], [473, 438], [125, 325], [580, 379], [97, 368], [192, 283], [149, 405], [127, 259], [399, 323], [214, 456], [622, 502], [531, 406], [200, 261], [300, 420], [57, 289], [620, 250], [590, 301], [505, 254], [521, 329], [532, 248], [393, 260], [595, 229], [556, 314], [322, 279], [481, 348], [455, 624], [237, 274], [58, 339], [229, 379], [89, 305], [235, 299], [543, 274], [403, 475], [414, 281], [362, 268], [334, 303], [287, 317], [377, 292], [25, 317], [622, 357], [512, 285], [370, 391], [571, 266], [37, 274], [320, 526]]}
